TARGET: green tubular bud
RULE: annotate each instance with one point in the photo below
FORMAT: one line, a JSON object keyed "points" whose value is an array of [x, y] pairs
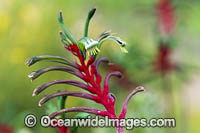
{"points": [[62, 35], [66, 31], [64, 39], [65, 42], [90, 15]]}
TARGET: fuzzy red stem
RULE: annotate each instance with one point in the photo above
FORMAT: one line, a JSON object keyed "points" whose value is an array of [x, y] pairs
{"points": [[89, 72]]}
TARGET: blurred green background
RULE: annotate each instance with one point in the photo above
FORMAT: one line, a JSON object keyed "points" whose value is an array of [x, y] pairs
{"points": [[30, 28]]}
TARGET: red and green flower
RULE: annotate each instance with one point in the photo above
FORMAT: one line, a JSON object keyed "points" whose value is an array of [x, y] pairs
{"points": [[86, 51]]}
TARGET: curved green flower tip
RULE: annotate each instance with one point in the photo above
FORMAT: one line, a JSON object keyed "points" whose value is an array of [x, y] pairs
{"points": [[60, 18], [90, 15], [64, 39], [62, 35], [66, 31], [123, 44], [117, 39]]}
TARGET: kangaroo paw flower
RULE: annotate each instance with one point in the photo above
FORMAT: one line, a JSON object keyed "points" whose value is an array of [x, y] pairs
{"points": [[86, 68]]}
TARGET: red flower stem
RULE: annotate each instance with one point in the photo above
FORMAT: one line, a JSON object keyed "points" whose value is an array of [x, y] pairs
{"points": [[89, 78]]}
